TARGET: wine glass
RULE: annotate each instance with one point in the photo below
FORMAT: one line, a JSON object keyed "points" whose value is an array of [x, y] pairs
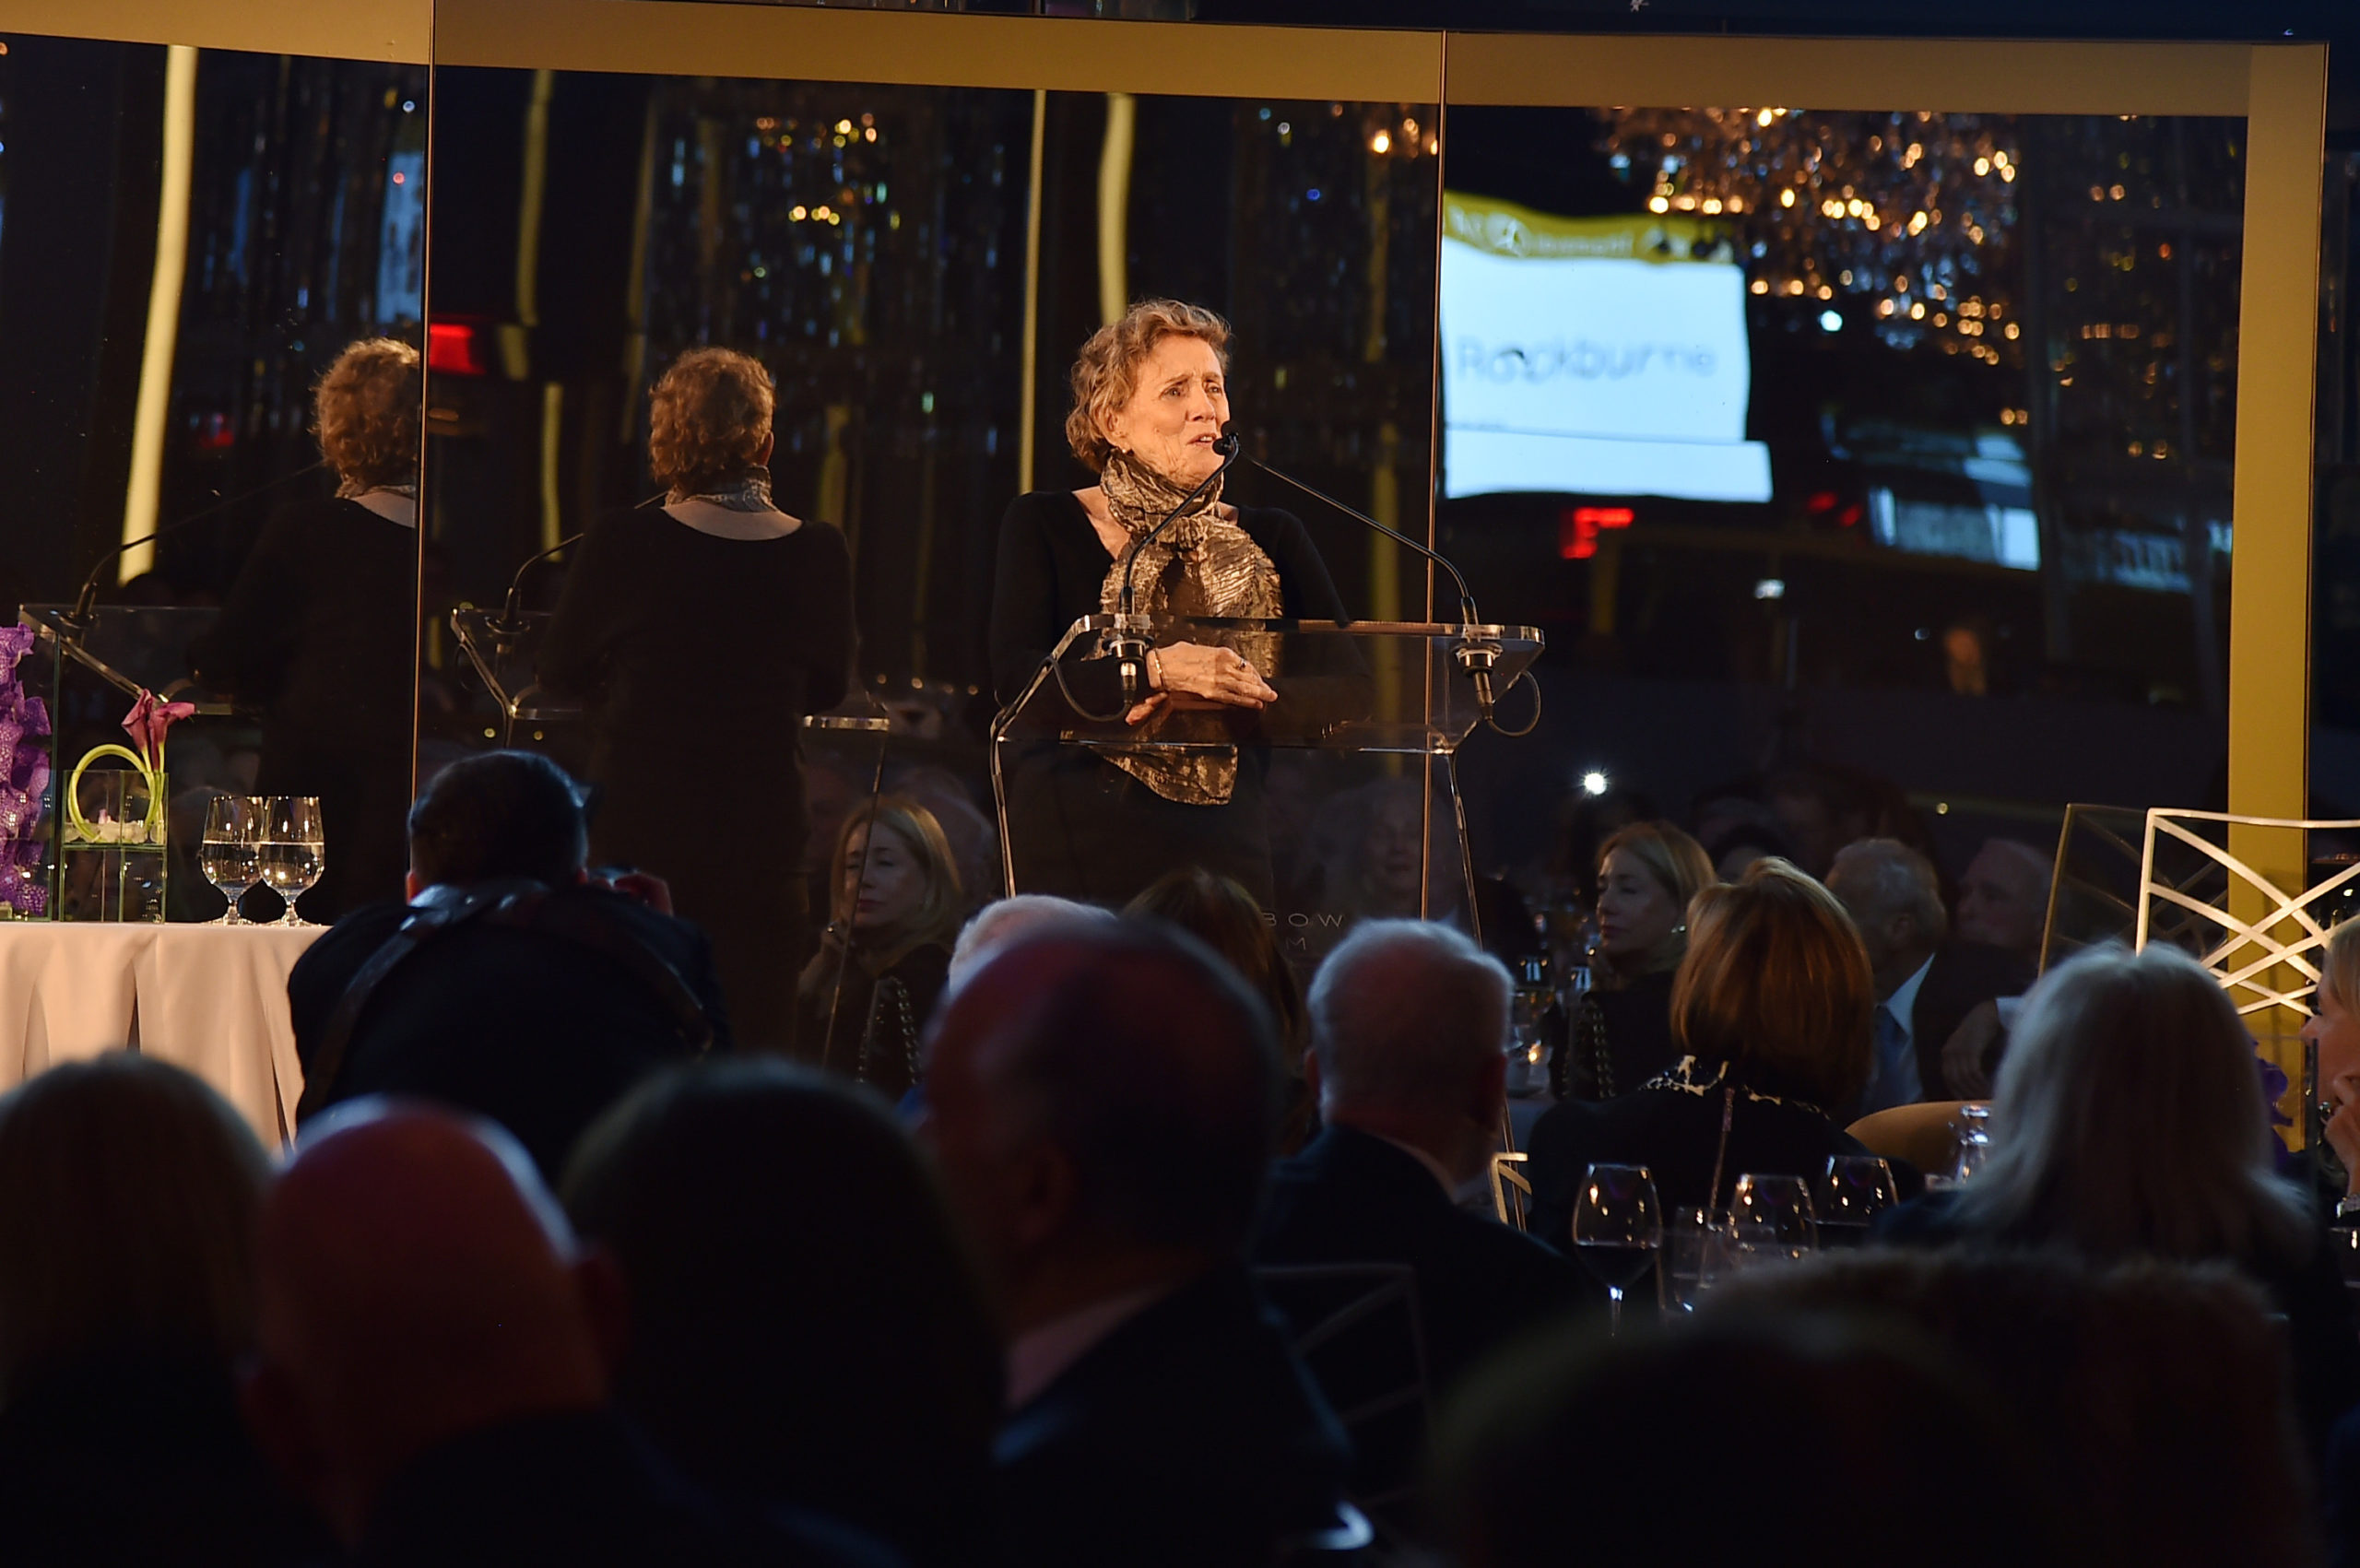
{"points": [[1618, 1228], [1973, 1127], [229, 850], [1774, 1220], [1857, 1188], [1697, 1249], [293, 849]]}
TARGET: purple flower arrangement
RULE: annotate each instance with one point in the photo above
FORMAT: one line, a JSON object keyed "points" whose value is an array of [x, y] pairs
{"points": [[24, 776]]}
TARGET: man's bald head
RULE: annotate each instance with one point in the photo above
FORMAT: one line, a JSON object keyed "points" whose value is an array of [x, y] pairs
{"points": [[417, 1283], [1139, 1059], [2003, 898]]}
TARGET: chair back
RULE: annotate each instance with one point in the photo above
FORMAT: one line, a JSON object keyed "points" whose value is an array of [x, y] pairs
{"points": [[1357, 1329], [1511, 1189]]}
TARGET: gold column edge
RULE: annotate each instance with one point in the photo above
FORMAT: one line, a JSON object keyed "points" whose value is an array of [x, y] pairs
{"points": [[397, 32]]}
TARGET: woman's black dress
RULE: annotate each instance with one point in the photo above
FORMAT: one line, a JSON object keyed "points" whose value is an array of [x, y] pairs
{"points": [[697, 658], [1084, 828], [320, 633], [880, 1022], [1617, 1040]]}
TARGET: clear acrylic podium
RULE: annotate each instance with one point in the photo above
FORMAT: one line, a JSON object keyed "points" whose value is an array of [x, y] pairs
{"points": [[1369, 718]]}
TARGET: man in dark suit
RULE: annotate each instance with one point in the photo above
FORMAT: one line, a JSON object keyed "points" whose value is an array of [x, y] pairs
{"points": [[430, 1371], [1102, 1102], [1927, 984], [1408, 1024], [513, 984]]}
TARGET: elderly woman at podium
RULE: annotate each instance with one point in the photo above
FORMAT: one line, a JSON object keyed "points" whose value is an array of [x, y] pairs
{"points": [[698, 635], [1151, 396]]}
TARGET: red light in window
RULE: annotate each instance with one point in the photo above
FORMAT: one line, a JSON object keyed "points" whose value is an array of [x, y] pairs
{"points": [[455, 347], [1577, 529], [1849, 515], [1820, 500]]}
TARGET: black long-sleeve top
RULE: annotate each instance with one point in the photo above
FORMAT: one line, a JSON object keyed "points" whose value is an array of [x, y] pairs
{"points": [[1077, 825]]}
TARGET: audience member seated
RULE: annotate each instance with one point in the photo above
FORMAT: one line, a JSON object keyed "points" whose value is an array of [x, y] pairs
{"points": [[512, 985], [1220, 913], [1771, 1007], [1621, 1032], [2129, 1121], [1926, 984], [128, 1191], [2149, 1398], [432, 1371], [803, 1327], [1103, 1104], [2333, 1030], [897, 906], [1794, 1442], [2003, 898], [1004, 923], [1409, 1023]]}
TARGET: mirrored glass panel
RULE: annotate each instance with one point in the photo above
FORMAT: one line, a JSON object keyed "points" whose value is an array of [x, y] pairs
{"points": [[194, 240], [884, 254], [1868, 472]]}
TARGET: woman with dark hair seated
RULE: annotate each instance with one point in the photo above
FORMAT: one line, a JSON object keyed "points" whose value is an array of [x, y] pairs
{"points": [[128, 1193], [1220, 913], [2129, 1121], [804, 1325], [1771, 1010]]}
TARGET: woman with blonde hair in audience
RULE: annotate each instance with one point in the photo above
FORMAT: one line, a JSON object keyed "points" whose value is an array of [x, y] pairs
{"points": [[128, 1193], [1770, 1009], [866, 995], [698, 636], [2128, 1121], [1620, 1035]]}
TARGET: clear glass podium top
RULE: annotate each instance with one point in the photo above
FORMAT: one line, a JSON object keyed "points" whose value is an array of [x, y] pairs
{"points": [[1367, 686], [132, 647]]}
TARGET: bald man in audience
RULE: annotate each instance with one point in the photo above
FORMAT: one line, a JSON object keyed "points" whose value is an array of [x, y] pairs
{"points": [[432, 1364], [1104, 1103], [2003, 898]]}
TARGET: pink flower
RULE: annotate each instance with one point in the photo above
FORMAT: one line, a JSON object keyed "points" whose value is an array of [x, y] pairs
{"points": [[147, 723]]}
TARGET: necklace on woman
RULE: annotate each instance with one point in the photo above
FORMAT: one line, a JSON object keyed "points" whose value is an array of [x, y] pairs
{"points": [[751, 492]]}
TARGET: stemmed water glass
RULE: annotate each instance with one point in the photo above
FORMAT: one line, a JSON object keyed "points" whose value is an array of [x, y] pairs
{"points": [[1774, 1220], [1856, 1189], [293, 849], [1618, 1229], [232, 828]]}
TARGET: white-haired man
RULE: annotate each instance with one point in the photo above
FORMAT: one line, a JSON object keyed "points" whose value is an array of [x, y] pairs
{"points": [[1408, 1022]]}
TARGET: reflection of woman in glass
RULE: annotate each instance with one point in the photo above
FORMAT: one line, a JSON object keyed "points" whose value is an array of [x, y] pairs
{"points": [[698, 637], [319, 630], [1149, 396], [897, 903]]}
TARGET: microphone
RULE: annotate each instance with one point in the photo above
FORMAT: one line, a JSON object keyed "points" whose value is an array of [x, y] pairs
{"points": [[1478, 656], [509, 622], [78, 619], [1128, 646]]}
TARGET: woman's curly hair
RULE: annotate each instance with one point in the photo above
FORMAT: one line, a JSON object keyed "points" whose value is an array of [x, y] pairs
{"points": [[708, 418], [1106, 373], [364, 412]]}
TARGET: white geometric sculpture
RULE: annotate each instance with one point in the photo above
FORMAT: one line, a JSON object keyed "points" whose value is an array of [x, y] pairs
{"points": [[2246, 954]]}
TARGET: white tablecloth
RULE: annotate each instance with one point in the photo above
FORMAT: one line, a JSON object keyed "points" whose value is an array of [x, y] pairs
{"points": [[210, 999]]}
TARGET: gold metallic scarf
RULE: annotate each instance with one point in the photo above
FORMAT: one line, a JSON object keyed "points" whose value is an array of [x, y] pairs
{"points": [[1222, 573]]}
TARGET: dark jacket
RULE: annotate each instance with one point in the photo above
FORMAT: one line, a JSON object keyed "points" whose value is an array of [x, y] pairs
{"points": [[581, 1491], [319, 633], [122, 1461], [2320, 1338], [1963, 976], [1629, 1026], [1674, 1127], [1352, 1198], [880, 1019], [1082, 828], [537, 1030], [1188, 1438]]}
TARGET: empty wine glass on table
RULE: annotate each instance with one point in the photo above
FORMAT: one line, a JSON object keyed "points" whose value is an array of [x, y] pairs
{"points": [[229, 851], [1617, 1229], [1696, 1246], [292, 850], [1856, 1189], [1772, 1220]]}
